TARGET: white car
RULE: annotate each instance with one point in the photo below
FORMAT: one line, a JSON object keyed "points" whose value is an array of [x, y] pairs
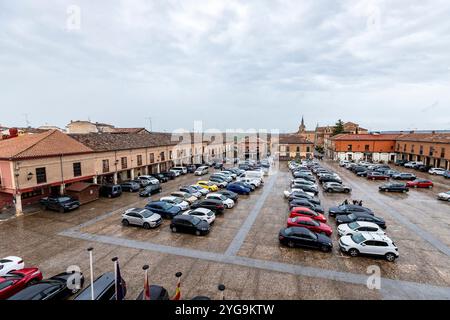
{"points": [[304, 181], [369, 244], [229, 173], [227, 202], [347, 229], [227, 178], [183, 170], [202, 213], [343, 162], [444, 196], [252, 181], [141, 217], [150, 179], [10, 263], [413, 164], [177, 172], [201, 171], [203, 191], [437, 171], [288, 193], [183, 205]]}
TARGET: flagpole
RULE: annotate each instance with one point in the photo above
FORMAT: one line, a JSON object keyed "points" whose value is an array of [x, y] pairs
{"points": [[222, 290], [115, 275], [146, 284], [91, 265]]}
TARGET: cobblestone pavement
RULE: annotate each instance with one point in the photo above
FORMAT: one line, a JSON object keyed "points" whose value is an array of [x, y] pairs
{"points": [[242, 250]]}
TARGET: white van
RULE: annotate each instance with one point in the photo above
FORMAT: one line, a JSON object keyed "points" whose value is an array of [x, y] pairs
{"points": [[201, 171], [182, 169], [255, 175]]}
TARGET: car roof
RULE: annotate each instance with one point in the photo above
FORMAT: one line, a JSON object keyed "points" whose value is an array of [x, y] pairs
{"points": [[34, 289], [374, 236], [367, 224], [168, 198], [202, 210], [300, 230], [100, 284]]}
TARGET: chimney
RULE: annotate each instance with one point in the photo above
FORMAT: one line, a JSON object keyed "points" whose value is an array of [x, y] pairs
{"points": [[433, 132], [412, 131]]}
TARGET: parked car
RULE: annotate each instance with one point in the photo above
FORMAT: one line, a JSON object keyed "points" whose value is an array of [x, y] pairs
{"points": [[394, 187], [10, 263], [254, 182], [302, 195], [400, 162], [404, 176], [413, 164], [186, 196], [377, 176], [223, 176], [391, 172], [141, 217], [208, 185], [212, 204], [191, 168], [229, 194], [202, 213], [170, 175], [104, 289], [160, 177], [238, 188], [306, 188], [200, 189], [176, 172], [164, 209], [148, 178], [336, 187], [347, 209], [17, 280], [302, 237], [228, 203], [59, 203], [110, 190], [229, 173], [423, 168], [156, 293], [150, 189], [329, 178], [176, 201], [310, 224], [347, 229], [221, 182], [54, 288], [246, 185], [191, 191], [447, 174], [189, 224], [130, 186], [307, 212], [142, 182], [304, 176], [201, 171], [366, 243], [437, 171], [444, 196], [305, 203], [359, 216], [364, 173], [420, 183]]}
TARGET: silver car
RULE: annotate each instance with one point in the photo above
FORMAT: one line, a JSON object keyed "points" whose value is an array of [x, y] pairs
{"points": [[141, 217]]}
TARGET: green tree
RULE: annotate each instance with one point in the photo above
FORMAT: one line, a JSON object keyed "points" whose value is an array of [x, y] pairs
{"points": [[338, 127]]}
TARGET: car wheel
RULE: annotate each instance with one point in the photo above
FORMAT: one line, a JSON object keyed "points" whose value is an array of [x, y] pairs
{"points": [[325, 249], [174, 229], [404, 191], [125, 222], [353, 252], [146, 225], [346, 190], [328, 190], [198, 233], [390, 257], [159, 190], [290, 244]]}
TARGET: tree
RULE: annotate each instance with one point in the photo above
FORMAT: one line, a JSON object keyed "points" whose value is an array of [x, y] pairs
{"points": [[338, 127]]}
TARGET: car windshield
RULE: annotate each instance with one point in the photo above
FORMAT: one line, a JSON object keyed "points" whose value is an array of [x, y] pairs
{"points": [[5, 261], [177, 200], [351, 216], [146, 213], [353, 225], [166, 205], [195, 221], [358, 238], [64, 199]]}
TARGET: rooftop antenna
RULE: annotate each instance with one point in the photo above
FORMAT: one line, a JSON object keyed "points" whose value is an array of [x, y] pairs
{"points": [[26, 120], [150, 123]]}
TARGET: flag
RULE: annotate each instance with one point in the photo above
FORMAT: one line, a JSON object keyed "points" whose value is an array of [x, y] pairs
{"points": [[177, 295], [146, 287], [121, 287]]}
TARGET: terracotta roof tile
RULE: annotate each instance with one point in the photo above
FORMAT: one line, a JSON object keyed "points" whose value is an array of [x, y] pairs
{"points": [[292, 138], [365, 137], [425, 137]]}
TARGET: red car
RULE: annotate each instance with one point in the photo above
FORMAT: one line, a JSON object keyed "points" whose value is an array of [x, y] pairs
{"points": [[14, 281], [420, 183], [377, 176], [313, 225], [306, 212]]}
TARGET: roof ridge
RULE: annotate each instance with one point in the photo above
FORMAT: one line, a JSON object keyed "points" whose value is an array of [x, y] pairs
{"points": [[45, 135]]}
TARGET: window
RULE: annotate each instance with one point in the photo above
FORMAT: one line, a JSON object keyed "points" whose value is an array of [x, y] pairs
{"points": [[349, 147], [298, 149], [105, 165], [139, 160], [152, 157], [308, 149], [366, 147], [398, 146], [443, 153], [162, 155], [170, 155], [421, 150], [431, 151], [123, 160], [412, 148], [287, 148], [77, 169], [404, 147], [41, 176]]}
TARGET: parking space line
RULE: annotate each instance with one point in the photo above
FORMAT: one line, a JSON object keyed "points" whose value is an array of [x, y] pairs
{"points": [[390, 288], [239, 239], [435, 242]]}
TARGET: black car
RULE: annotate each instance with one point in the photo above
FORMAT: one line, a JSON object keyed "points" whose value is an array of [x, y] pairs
{"points": [[305, 203], [229, 194], [54, 288], [302, 237], [305, 187], [164, 209], [329, 178], [160, 177], [212, 204], [423, 168], [303, 195], [394, 187], [141, 182], [189, 224], [156, 293], [404, 176], [110, 190], [59, 203], [348, 209], [359, 216], [150, 189], [191, 168], [304, 176], [104, 289], [400, 162], [170, 175], [130, 186], [357, 169]]}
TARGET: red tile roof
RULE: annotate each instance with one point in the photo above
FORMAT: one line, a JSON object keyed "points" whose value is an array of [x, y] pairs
{"points": [[48, 143], [364, 137], [292, 138], [425, 137]]}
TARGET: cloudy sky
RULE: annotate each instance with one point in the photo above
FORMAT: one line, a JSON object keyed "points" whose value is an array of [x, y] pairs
{"points": [[233, 64]]}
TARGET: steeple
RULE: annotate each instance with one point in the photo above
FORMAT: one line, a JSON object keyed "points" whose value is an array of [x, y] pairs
{"points": [[302, 127]]}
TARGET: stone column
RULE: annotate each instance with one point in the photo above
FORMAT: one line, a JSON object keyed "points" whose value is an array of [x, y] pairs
{"points": [[95, 179], [132, 174], [159, 168], [62, 188], [18, 204], [115, 178]]}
